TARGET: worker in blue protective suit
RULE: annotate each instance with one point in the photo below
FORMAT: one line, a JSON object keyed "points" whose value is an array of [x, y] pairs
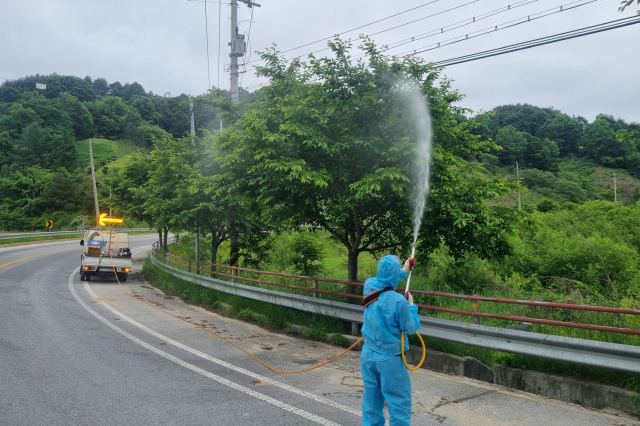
{"points": [[387, 315]]}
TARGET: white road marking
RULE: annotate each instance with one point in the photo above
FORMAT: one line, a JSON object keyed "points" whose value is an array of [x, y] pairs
{"points": [[223, 381], [235, 368]]}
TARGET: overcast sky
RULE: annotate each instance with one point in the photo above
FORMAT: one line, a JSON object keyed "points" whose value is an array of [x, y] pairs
{"points": [[161, 44]]}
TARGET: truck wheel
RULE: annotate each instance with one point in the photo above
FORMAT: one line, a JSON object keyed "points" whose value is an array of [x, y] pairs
{"points": [[123, 277], [87, 276], [83, 277]]}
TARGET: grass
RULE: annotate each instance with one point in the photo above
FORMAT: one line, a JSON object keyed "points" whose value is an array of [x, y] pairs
{"points": [[274, 317], [106, 153], [596, 181]]}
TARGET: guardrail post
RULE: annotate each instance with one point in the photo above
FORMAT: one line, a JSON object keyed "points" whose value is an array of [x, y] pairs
{"points": [[189, 265], [475, 307], [315, 287], [355, 328]]}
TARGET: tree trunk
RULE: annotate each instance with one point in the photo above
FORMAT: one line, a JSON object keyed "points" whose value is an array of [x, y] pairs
{"points": [[353, 271], [214, 250], [166, 232], [234, 252], [160, 239]]}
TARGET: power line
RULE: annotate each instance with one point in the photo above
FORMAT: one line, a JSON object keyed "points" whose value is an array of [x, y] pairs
{"points": [[219, 38], [206, 26], [379, 32], [594, 29], [463, 23], [606, 26], [362, 26], [501, 26]]}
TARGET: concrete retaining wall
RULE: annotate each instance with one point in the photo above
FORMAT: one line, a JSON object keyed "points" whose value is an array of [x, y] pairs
{"points": [[566, 389], [552, 386]]}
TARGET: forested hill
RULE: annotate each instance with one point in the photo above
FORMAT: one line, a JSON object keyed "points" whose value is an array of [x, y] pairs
{"points": [[44, 165], [561, 157]]}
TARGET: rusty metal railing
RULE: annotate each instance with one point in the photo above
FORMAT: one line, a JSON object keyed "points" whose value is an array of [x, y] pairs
{"points": [[234, 274]]}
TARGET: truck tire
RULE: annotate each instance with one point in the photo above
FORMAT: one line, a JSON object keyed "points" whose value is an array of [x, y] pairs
{"points": [[83, 277], [123, 277]]}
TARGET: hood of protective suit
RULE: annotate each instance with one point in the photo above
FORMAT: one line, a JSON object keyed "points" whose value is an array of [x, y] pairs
{"points": [[389, 274]]}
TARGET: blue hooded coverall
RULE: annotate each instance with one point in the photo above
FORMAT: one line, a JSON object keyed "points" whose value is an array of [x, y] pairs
{"points": [[384, 374]]}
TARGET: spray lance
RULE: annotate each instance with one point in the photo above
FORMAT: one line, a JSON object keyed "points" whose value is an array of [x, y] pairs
{"points": [[412, 263], [406, 295]]}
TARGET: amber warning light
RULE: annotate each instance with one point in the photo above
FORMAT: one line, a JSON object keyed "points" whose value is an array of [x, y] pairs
{"points": [[104, 220]]}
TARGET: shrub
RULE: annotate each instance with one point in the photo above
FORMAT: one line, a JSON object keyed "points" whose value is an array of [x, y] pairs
{"points": [[246, 315], [465, 275], [339, 339]]}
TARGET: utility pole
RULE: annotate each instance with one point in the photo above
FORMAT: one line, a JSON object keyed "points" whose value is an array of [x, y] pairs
{"points": [[238, 46], [197, 230], [95, 188], [615, 188], [238, 49], [518, 179]]}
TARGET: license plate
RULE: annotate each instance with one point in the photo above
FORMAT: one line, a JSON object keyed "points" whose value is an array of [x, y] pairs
{"points": [[106, 269]]}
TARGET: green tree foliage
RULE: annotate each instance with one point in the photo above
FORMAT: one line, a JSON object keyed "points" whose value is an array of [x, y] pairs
{"points": [[597, 245], [541, 153], [49, 148], [78, 87], [524, 117], [527, 150], [128, 188], [100, 87], [513, 145], [34, 190], [116, 89], [147, 109], [49, 111], [627, 3], [17, 118], [79, 114], [329, 145], [114, 118], [563, 131], [599, 141], [130, 90]]}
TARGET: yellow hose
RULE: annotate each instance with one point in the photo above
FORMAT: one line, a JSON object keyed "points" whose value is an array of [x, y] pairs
{"points": [[424, 353]]}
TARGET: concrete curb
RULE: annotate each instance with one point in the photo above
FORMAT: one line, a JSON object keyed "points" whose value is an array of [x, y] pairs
{"points": [[452, 364], [566, 389], [587, 394]]}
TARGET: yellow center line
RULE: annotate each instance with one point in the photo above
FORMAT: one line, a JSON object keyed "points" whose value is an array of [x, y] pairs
{"points": [[36, 255]]}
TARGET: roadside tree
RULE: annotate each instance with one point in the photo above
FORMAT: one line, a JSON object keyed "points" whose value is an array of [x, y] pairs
{"points": [[328, 144]]}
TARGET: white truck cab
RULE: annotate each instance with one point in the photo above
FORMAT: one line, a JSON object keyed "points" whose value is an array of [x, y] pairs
{"points": [[105, 253]]}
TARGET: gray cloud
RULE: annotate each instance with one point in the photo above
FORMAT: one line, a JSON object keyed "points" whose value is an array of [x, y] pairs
{"points": [[161, 44]]}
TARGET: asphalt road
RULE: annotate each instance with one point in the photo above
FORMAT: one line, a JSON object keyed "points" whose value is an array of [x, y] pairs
{"points": [[76, 353]]}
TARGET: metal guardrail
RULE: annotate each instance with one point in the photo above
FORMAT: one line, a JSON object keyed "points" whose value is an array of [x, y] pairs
{"points": [[580, 351], [50, 234], [234, 272]]}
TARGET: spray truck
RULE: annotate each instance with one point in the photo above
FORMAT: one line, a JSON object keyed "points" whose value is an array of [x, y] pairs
{"points": [[105, 253]]}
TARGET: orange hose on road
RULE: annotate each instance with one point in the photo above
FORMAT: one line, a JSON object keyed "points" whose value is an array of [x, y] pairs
{"points": [[228, 341]]}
